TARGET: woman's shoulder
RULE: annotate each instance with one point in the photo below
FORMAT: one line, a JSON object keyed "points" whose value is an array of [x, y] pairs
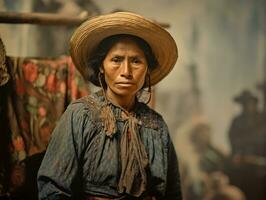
{"points": [[146, 110], [149, 116], [91, 100], [88, 105]]}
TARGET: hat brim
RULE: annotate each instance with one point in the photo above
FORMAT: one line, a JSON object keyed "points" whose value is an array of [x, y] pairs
{"points": [[87, 37]]}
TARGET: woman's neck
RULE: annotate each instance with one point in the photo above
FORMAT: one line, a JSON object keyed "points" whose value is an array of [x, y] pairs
{"points": [[126, 102]]}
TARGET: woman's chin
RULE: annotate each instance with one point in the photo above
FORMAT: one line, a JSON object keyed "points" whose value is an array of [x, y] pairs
{"points": [[124, 92]]}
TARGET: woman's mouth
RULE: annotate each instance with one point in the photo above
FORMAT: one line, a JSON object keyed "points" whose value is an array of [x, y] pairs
{"points": [[125, 84]]}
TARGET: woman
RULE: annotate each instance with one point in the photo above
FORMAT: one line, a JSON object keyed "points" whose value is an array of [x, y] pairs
{"points": [[109, 145]]}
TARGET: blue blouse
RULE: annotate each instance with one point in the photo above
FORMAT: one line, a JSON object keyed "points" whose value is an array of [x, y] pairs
{"points": [[81, 160]]}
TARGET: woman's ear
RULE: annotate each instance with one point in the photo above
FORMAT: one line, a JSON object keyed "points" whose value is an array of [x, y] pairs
{"points": [[101, 69]]}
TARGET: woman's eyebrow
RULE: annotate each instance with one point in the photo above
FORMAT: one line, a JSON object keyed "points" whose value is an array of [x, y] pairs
{"points": [[117, 56]]}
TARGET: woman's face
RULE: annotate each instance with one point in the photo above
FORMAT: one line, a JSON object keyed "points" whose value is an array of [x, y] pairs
{"points": [[125, 67]]}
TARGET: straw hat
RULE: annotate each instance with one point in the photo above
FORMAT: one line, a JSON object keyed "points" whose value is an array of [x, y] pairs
{"points": [[87, 37]]}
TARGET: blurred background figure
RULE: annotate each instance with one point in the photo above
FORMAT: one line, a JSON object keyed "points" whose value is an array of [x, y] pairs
{"points": [[247, 138], [214, 166], [211, 159], [245, 130], [222, 190]]}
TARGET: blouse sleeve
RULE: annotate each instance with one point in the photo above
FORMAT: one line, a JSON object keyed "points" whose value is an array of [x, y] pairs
{"points": [[173, 186], [58, 176]]}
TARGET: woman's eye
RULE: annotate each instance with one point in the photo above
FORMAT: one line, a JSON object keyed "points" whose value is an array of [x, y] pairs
{"points": [[136, 61], [116, 60]]}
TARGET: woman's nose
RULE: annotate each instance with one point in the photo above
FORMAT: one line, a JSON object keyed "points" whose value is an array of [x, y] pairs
{"points": [[126, 69]]}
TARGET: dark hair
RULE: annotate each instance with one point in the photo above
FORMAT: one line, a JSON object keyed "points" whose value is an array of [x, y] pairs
{"points": [[99, 54]]}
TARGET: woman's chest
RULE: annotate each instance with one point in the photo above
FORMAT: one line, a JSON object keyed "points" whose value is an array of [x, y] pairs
{"points": [[102, 155]]}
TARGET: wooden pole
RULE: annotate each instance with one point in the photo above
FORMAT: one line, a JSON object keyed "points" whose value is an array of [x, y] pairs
{"points": [[45, 19], [39, 18]]}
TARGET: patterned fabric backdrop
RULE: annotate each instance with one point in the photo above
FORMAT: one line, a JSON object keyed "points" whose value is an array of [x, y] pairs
{"points": [[31, 103]]}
